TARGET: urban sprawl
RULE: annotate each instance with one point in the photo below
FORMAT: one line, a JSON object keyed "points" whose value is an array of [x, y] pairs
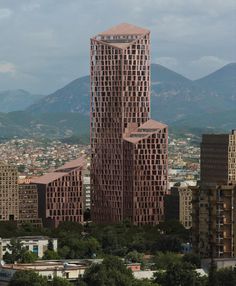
{"points": [[170, 197]]}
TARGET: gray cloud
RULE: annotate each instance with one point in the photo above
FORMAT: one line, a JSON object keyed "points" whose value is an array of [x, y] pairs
{"points": [[48, 40], [5, 13]]}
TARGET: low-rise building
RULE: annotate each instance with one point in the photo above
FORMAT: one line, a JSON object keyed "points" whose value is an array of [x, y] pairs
{"points": [[36, 244], [48, 269]]}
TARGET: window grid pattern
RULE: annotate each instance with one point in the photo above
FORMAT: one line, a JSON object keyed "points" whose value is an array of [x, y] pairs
{"points": [[145, 174], [120, 96], [64, 198], [9, 193]]}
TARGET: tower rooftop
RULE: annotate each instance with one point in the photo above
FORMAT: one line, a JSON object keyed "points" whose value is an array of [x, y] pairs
{"points": [[124, 29], [144, 131], [121, 36]]}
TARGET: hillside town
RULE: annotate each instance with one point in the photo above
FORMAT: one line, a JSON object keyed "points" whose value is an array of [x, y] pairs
{"points": [[35, 157], [138, 205]]}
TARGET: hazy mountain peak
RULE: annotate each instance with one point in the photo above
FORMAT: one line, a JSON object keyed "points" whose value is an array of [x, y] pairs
{"points": [[12, 100]]}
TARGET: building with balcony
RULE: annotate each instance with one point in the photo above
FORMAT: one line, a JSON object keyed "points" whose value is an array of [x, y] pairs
{"points": [[87, 189], [214, 200]]}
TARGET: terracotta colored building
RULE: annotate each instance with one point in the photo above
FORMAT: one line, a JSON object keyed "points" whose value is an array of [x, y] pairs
{"points": [[120, 105], [214, 200], [61, 194]]}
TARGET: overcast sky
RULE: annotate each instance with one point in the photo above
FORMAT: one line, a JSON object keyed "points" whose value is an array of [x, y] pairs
{"points": [[44, 44]]}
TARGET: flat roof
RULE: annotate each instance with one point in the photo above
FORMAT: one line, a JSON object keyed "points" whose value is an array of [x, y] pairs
{"points": [[124, 29], [30, 237], [48, 178], [79, 162], [144, 131]]}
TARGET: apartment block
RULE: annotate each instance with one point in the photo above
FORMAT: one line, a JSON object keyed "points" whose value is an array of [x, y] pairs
{"points": [[214, 201], [60, 194], [28, 205], [178, 204], [9, 193], [28, 202]]}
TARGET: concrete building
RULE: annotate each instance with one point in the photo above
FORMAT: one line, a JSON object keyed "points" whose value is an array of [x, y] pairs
{"points": [[120, 108], [48, 269], [28, 202], [185, 199], [87, 189], [178, 204], [172, 205], [218, 159], [61, 194], [9, 193], [28, 205], [36, 244], [214, 201]]}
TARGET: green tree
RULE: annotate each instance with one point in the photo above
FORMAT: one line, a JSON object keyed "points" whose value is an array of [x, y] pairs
{"points": [[212, 276], [192, 258], [226, 277], [111, 272], [8, 229], [174, 227], [64, 252], [15, 251], [179, 274], [134, 256], [167, 243], [144, 282], [27, 278], [50, 245], [51, 255], [163, 260], [29, 257], [58, 281]]}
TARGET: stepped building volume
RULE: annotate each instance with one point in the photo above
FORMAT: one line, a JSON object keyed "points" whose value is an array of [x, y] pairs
{"points": [[129, 150]]}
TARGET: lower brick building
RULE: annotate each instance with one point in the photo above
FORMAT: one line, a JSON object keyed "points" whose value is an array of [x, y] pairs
{"points": [[145, 173], [61, 194]]}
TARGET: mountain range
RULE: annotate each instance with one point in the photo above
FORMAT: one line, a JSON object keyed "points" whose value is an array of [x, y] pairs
{"points": [[209, 103], [12, 100], [174, 97]]}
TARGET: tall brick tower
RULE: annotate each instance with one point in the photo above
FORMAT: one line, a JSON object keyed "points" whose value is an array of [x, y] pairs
{"points": [[120, 104]]}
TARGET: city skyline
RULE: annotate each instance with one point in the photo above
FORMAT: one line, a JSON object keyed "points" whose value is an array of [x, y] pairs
{"points": [[42, 41]]}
